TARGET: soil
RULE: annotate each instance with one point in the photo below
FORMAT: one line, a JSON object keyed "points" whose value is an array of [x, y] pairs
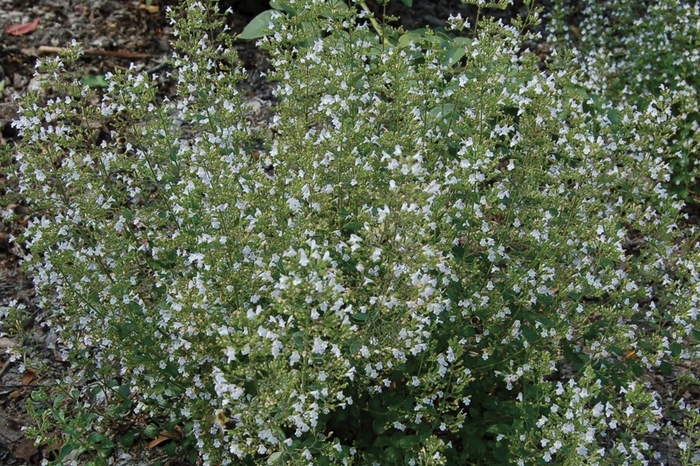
{"points": [[120, 34]]}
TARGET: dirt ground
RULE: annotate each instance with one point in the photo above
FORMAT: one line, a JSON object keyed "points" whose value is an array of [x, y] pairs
{"points": [[115, 34]]}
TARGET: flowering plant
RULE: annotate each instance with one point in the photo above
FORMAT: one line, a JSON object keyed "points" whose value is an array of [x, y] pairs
{"points": [[630, 55], [427, 261]]}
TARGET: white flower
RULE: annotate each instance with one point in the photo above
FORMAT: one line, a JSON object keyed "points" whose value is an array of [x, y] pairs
{"points": [[319, 346], [294, 204]]}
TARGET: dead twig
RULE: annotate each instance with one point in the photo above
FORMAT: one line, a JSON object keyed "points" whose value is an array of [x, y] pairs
{"points": [[29, 385], [46, 49], [4, 368]]}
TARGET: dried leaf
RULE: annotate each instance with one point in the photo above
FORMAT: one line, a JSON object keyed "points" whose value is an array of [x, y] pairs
{"points": [[7, 343], [21, 29], [28, 377], [158, 440], [25, 449], [149, 8]]}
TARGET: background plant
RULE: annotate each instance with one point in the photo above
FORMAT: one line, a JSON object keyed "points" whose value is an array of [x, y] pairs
{"points": [[629, 53], [433, 261]]}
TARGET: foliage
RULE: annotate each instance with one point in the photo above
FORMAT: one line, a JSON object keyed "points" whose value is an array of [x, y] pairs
{"points": [[630, 54], [430, 261]]}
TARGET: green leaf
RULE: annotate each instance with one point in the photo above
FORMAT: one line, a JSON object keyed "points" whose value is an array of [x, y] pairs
{"points": [[381, 441], [392, 455], [676, 348], [416, 36], [151, 431], [124, 391], [170, 448], [2, 85], [409, 441], [60, 416], [378, 425], [454, 54], [665, 368], [275, 458], [442, 111], [66, 450], [93, 80], [96, 437], [259, 26], [282, 6], [637, 369], [352, 226]]}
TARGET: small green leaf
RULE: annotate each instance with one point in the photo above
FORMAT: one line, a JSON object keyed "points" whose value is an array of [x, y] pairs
{"points": [[66, 450], [409, 441], [124, 391], [454, 54], [275, 458], [96, 437], [665, 368], [676, 348], [93, 80], [416, 36], [352, 226], [60, 416], [2, 85], [378, 425], [170, 448], [442, 111], [392, 455], [151, 431]]}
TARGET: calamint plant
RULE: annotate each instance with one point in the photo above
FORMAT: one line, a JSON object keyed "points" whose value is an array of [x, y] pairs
{"points": [[437, 255]]}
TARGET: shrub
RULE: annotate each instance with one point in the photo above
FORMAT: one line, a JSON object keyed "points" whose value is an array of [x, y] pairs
{"points": [[425, 262]]}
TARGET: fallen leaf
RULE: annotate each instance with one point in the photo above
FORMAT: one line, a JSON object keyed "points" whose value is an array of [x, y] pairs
{"points": [[25, 450], [28, 377], [149, 8], [158, 440], [21, 29], [7, 343]]}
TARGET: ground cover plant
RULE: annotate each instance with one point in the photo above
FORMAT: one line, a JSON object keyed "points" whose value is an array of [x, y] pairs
{"points": [[440, 254]]}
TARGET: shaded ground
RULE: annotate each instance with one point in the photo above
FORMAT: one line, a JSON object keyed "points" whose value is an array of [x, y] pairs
{"points": [[118, 33]]}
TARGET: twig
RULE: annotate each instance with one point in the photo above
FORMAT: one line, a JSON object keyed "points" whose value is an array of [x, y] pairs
{"points": [[372, 20], [158, 67], [29, 385], [4, 368], [95, 52]]}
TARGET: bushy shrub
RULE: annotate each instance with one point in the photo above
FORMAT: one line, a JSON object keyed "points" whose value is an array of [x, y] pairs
{"points": [[425, 262]]}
